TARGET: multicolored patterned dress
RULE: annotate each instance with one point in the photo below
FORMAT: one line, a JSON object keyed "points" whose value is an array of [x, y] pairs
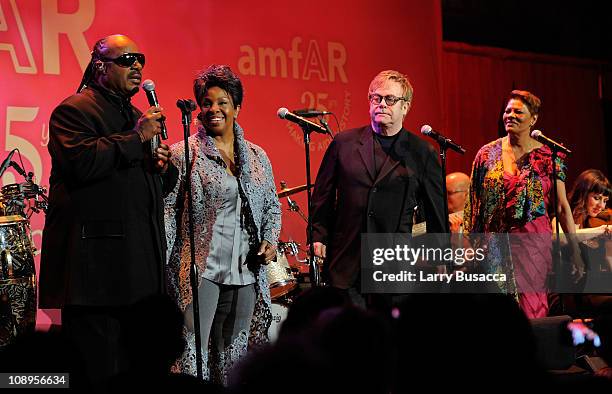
{"points": [[503, 203]]}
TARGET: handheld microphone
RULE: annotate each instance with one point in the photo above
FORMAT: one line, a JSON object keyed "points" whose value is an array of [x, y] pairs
{"points": [[554, 145], [442, 140], [149, 88], [310, 112], [7, 162], [284, 113]]}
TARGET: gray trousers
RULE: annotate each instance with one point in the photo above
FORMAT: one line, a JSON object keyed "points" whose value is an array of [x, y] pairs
{"points": [[225, 311]]}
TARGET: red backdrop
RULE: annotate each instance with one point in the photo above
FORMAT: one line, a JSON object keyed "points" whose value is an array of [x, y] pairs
{"points": [[322, 55]]}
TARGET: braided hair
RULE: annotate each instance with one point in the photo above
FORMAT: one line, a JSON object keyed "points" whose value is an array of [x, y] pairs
{"points": [[90, 71]]}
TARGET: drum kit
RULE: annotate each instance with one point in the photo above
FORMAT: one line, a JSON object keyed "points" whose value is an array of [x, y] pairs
{"points": [[17, 271], [288, 275]]}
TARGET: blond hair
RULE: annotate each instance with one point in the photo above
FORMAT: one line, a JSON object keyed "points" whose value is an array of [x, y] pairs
{"points": [[396, 76]]}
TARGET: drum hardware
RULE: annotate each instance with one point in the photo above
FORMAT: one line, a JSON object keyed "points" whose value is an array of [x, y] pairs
{"points": [[284, 192], [279, 312], [280, 275], [13, 197], [292, 248], [293, 207], [318, 274], [18, 202]]}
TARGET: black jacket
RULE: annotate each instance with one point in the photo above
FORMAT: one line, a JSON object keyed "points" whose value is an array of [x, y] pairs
{"points": [[103, 241], [358, 191]]}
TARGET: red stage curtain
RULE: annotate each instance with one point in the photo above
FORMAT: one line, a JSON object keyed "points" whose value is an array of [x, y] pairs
{"points": [[477, 80]]}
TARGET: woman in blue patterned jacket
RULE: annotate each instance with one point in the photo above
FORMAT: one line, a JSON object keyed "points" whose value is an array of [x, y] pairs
{"points": [[237, 222]]}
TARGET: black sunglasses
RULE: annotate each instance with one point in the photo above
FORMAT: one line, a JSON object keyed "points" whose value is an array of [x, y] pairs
{"points": [[127, 59]]}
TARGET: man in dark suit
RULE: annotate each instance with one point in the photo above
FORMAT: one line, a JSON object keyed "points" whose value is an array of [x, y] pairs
{"points": [[103, 243], [370, 180]]}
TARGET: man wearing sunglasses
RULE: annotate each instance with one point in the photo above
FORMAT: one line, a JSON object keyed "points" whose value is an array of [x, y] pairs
{"points": [[370, 180], [103, 243]]}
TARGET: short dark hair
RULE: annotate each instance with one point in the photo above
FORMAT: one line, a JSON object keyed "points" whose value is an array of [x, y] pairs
{"points": [[590, 181], [529, 99], [220, 76]]}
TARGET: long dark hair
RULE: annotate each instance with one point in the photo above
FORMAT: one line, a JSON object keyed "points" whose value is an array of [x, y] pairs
{"points": [[590, 181]]}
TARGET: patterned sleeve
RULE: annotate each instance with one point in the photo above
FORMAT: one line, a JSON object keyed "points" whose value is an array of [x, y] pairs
{"points": [[472, 202], [561, 167], [271, 220], [172, 200]]}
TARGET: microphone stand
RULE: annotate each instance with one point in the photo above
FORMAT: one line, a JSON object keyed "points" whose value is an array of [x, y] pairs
{"points": [[556, 263], [186, 107], [443, 148], [295, 208], [315, 276]]}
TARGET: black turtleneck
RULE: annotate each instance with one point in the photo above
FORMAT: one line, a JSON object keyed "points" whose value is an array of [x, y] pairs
{"points": [[386, 141]]}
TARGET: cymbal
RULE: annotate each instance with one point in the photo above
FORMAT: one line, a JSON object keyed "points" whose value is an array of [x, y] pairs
{"points": [[289, 191]]}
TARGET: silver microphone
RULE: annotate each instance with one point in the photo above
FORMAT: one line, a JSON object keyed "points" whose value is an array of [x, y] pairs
{"points": [[552, 144], [442, 140], [284, 113]]}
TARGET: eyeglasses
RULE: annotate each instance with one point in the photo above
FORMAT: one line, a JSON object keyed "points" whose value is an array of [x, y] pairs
{"points": [[127, 59], [390, 100]]}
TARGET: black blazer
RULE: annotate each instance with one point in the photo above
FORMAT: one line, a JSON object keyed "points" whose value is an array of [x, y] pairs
{"points": [[357, 191], [103, 241]]}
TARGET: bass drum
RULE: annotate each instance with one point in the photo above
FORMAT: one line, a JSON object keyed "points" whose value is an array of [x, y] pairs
{"points": [[279, 314], [17, 279]]}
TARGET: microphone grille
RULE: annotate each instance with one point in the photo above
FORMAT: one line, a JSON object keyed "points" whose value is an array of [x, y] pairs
{"points": [[536, 133], [148, 85], [191, 104], [426, 129], [282, 112]]}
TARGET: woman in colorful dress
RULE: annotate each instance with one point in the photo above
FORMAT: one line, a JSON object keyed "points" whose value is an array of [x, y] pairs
{"points": [[510, 193]]}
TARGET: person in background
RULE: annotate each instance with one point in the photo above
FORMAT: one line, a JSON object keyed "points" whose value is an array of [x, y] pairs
{"points": [[588, 199], [457, 185]]}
